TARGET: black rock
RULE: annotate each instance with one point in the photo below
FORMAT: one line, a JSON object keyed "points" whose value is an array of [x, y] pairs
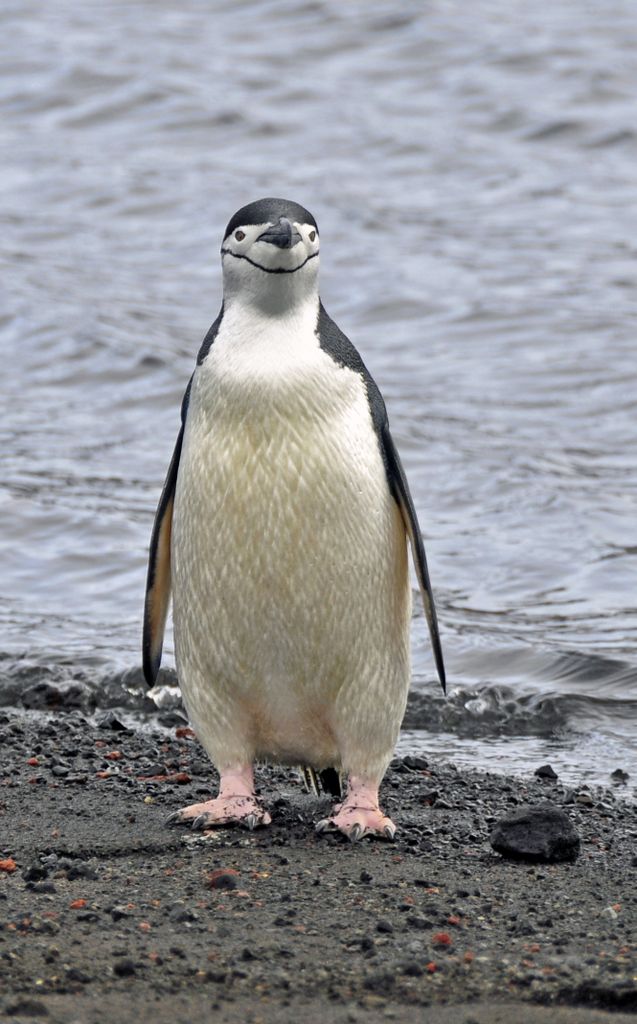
{"points": [[26, 1007], [76, 974], [80, 869], [42, 887], [430, 797], [182, 915], [418, 922], [415, 763], [124, 968], [384, 926], [413, 969], [35, 872], [44, 696], [545, 772], [217, 975], [117, 913], [170, 719], [620, 776], [109, 720], [222, 880], [536, 833]]}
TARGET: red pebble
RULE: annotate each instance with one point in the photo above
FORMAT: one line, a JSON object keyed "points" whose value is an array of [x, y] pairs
{"points": [[8, 865], [33, 761], [432, 967], [115, 755], [442, 939], [77, 904], [183, 732]]}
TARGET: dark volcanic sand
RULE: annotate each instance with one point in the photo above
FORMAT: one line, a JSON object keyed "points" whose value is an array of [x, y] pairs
{"points": [[109, 915]]}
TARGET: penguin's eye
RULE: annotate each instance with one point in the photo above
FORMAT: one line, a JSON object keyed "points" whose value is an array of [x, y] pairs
{"points": [[312, 235], [239, 235]]}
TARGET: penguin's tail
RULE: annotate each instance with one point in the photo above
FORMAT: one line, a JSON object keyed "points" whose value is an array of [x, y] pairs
{"points": [[327, 781]]}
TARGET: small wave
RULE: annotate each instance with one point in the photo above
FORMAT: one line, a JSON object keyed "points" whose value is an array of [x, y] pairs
{"points": [[34, 686], [490, 710]]}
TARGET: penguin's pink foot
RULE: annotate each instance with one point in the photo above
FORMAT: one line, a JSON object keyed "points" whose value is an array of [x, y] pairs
{"points": [[359, 815], [225, 810], [236, 804]]}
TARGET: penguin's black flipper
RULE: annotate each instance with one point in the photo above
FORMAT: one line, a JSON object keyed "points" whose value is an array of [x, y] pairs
{"points": [[158, 579], [398, 482]]}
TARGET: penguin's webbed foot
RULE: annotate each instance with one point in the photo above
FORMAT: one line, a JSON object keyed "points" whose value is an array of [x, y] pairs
{"points": [[356, 822], [224, 810], [236, 804], [359, 815]]}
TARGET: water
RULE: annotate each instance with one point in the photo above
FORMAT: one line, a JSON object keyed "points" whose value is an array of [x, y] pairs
{"points": [[472, 172]]}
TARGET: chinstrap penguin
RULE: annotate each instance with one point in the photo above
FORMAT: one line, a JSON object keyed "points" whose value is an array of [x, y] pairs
{"points": [[283, 529]]}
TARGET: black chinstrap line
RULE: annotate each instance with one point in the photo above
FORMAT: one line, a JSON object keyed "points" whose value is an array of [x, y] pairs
{"points": [[267, 270]]}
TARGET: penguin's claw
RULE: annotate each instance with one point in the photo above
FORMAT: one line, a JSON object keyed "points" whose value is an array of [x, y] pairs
{"points": [[226, 810], [358, 822], [355, 833]]}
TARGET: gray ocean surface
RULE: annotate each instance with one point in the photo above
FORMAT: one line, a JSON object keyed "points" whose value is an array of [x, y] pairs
{"points": [[473, 171]]}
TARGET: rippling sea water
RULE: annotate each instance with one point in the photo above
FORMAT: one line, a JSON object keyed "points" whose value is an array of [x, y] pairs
{"points": [[472, 169]]}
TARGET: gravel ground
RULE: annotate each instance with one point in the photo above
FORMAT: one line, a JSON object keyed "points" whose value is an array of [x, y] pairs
{"points": [[105, 913]]}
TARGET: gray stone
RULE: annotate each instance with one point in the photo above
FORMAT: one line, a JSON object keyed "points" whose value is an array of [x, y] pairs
{"points": [[536, 833]]}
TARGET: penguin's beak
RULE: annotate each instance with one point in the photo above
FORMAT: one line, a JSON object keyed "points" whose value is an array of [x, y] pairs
{"points": [[281, 234]]}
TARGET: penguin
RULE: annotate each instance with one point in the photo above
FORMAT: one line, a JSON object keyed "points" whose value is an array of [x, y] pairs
{"points": [[282, 531]]}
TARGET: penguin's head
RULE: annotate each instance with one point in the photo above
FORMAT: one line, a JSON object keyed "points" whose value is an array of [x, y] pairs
{"points": [[270, 256]]}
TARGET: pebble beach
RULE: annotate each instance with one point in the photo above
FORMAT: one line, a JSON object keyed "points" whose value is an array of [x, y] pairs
{"points": [[108, 913]]}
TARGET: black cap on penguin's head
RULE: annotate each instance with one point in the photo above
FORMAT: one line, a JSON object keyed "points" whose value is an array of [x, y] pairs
{"points": [[269, 256], [264, 211]]}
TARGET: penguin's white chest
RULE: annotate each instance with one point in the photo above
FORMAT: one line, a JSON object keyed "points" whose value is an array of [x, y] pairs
{"points": [[288, 551]]}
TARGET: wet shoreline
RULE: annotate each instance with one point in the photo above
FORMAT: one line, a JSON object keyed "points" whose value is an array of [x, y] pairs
{"points": [[107, 908]]}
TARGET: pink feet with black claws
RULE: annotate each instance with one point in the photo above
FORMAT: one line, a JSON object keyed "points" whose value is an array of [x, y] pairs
{"points": [[236, 804], [359, 815]]}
